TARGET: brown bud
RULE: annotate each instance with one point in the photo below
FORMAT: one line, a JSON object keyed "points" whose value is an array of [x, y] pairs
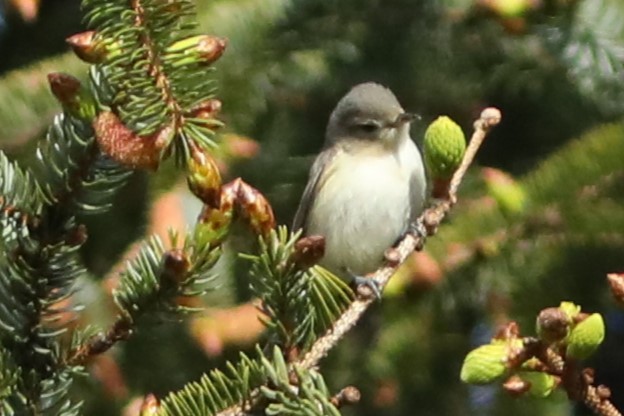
{"points": [[308, 251], [77, 235], [150, 406], [616, 282], [175, 266], [204, 179], [207, 109], [125, 146], [218, 219], [553, 325], [516, 386], [348, 396], [69, 92], [65, 87], [255, 208], [210, 48], [86, 47]]}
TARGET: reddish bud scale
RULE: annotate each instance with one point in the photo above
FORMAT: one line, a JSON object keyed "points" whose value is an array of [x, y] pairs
{"points": [[150, 406], [255, 209], [616, 283], [86, 47], [64, 87], [125, 146], [220, 217], [206, 109], [246, 201], [210, 48]]}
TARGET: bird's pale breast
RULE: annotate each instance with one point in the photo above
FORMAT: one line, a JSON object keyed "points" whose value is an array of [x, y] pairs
{"points": [[363, 207]]}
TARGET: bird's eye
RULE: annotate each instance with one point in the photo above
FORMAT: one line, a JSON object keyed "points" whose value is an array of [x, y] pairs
{"points": [[368, 127]]}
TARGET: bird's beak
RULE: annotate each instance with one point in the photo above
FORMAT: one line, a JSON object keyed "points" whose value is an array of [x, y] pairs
{"points": [[406, 118]]}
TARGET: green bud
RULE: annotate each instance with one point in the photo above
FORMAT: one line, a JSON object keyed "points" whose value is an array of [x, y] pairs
{"points": [[444, 147], [485, 364], [542, 384], [586, 337], [570, 309], [203, 178], [201, 48]]}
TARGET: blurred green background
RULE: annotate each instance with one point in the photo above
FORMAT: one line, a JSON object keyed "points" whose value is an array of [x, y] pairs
{"points": [[540, 218]]}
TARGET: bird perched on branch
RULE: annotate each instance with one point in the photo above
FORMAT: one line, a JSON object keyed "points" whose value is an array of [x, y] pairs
{"points": [[367, 186]]}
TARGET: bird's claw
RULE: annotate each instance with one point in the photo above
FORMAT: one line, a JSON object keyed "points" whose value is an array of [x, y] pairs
{"points": [[418, 230], [366, 287]]}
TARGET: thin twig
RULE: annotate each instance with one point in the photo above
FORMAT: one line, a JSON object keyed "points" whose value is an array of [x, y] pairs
{"points": [[431, 218]]}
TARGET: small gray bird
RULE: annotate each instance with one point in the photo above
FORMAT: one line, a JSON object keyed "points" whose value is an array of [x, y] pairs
{"points": [[366, 186]]}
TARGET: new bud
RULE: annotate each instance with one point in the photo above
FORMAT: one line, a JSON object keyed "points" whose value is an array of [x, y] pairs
{"points": [[485, 364], [203, 178], [87, 48], [553, 325], [586, 337], [255, 208], [207, 49], [444, 147], [75, 99]]}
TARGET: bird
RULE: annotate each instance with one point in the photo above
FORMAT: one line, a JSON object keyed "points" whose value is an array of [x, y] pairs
{"points": [[366, 187]]}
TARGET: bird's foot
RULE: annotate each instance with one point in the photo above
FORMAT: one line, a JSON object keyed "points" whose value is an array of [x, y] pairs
{"points": [[366, 287], [418, 230]]}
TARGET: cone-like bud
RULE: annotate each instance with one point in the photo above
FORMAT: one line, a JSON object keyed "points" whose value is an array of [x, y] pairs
{"points": [[308, 251], [217, 220], [586, 337], [486, 363], [444, 147], [203, 178], [616, 283], [125, 146], [205, 48], [150, 406], [255, 209], [552, 325], [540, 384], [508, 193], [75, 99], [87, 48]]}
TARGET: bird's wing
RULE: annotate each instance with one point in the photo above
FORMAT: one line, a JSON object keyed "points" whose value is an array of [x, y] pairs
{"points": [[318, 174]]}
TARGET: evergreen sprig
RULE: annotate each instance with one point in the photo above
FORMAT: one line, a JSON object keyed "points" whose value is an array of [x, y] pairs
{"points": [[19, 192], [265, 380], [156, 78], [154, 280], [74, 171], [218, 390], [299, 304]]}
